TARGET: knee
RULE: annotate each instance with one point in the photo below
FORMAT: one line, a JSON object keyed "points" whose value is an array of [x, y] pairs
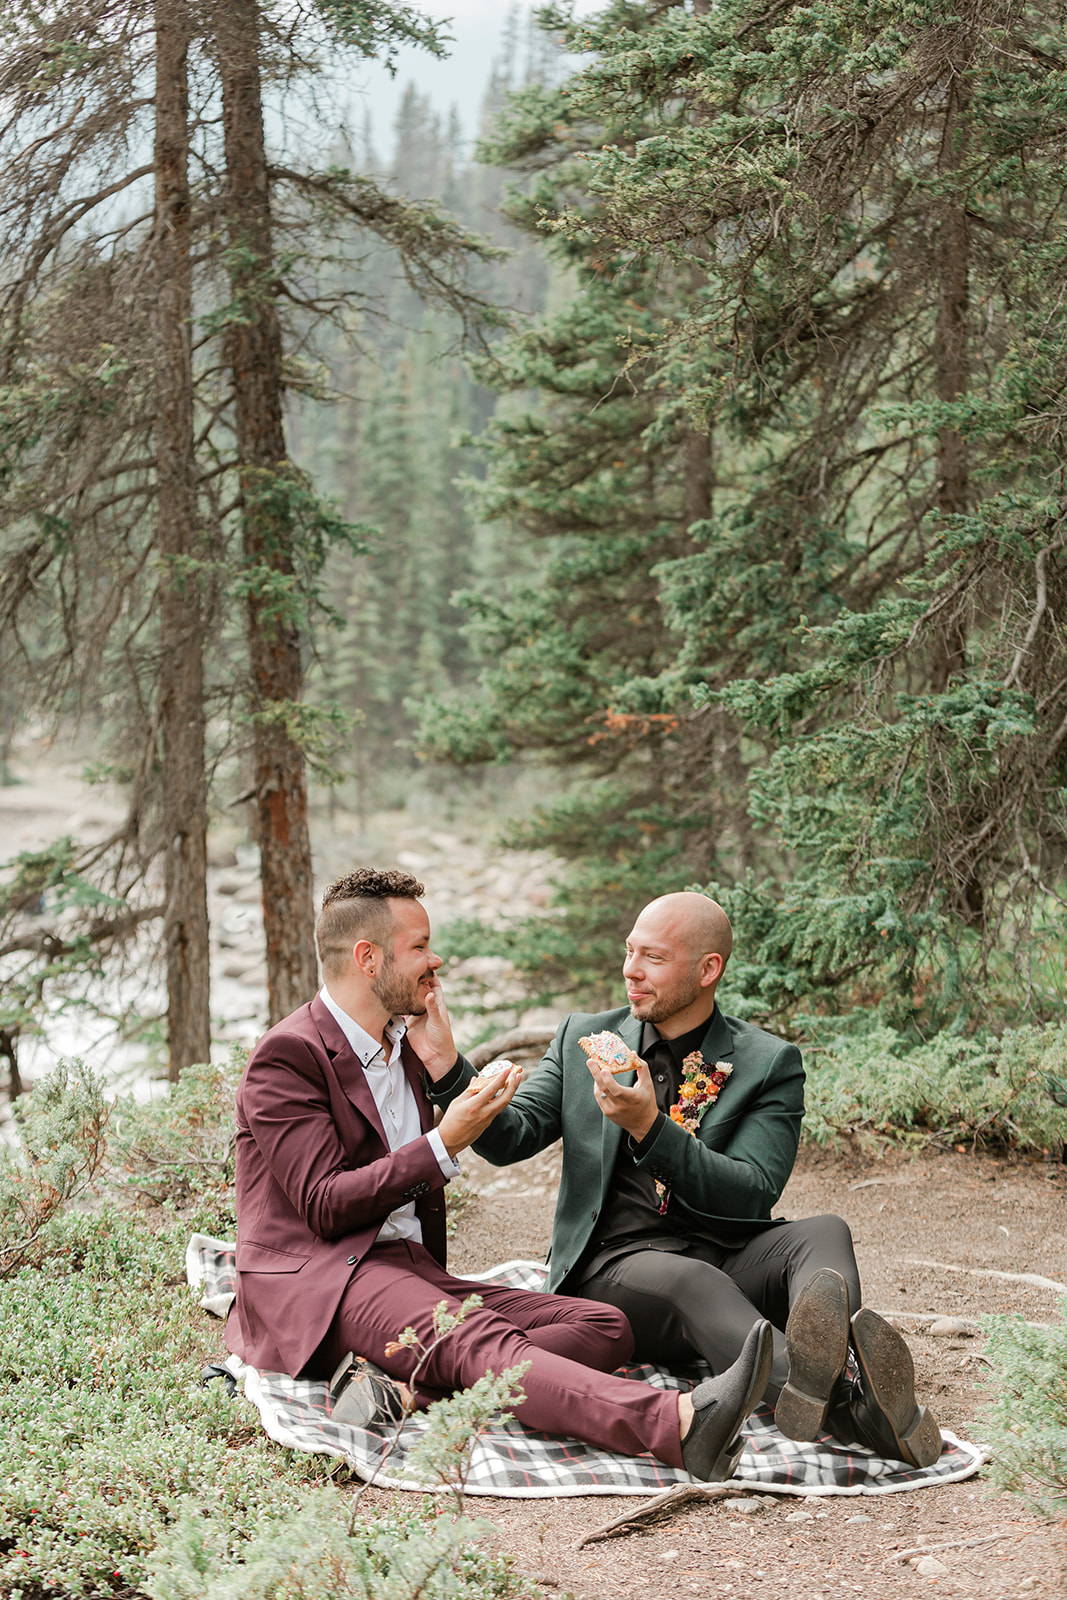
{"points": [[830, 1231]]}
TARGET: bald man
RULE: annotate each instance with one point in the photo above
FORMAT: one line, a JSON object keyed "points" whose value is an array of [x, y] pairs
{"points": [[671, 1223]]}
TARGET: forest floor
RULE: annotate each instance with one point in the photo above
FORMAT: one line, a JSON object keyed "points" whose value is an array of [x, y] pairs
{"points": [[932, 1231]]}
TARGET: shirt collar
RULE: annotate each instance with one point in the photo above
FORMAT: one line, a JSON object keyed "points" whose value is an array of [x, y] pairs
{"points": [[679, 1048], [365, 1046]]}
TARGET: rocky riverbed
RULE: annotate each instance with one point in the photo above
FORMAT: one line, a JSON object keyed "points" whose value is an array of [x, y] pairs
{"points": [[467, 875]]}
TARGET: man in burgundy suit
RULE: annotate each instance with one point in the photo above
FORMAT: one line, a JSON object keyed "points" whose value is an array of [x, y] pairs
{"points": [[340, 1209]]}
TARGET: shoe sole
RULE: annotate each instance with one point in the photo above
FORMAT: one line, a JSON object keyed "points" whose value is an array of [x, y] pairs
{"points": [[889, 1379], [816, 1336], [725, 1462]]}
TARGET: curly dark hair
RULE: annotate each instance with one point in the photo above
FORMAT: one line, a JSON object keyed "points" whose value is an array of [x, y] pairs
{"points": [[357, 907], [367, 883]]}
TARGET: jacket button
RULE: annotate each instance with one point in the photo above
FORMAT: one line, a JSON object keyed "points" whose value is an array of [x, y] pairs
{"points": [[353, 1261], [593, 1215]]}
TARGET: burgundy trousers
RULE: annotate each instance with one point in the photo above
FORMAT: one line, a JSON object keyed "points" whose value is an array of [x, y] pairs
{"points": [[572, 1346]]}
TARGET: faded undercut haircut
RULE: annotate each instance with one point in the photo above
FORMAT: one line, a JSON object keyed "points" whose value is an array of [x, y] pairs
{"points": [[357, 907]]}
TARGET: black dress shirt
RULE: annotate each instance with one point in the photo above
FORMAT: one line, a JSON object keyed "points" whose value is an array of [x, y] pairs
{"points": [[630, 1216]]}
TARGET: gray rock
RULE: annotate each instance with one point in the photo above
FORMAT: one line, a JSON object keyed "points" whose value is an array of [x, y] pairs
{"points": [[948, 1328], [931, 1567], [800, 1516]]}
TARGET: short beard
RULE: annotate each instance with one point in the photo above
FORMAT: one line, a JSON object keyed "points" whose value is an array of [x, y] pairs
{"points": [[662, 1007], [391, 993]]}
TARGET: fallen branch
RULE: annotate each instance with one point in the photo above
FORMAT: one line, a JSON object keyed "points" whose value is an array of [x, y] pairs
{"points": [[665, 1505], [951, 1544], [925, 1318], [531, 1039], [989, 1272]]}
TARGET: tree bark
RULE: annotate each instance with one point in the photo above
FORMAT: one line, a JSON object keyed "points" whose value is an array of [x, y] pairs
{"points": [[698, 477], [181, 622], [255, 354], [951, 360]]}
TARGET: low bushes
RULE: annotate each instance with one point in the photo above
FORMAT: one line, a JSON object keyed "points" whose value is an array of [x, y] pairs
{"points": [[1027, 1420], [1009, 1091], [123, 1475]]}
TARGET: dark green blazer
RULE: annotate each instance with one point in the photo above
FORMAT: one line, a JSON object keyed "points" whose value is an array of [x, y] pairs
{"points": [[723, 1182]]}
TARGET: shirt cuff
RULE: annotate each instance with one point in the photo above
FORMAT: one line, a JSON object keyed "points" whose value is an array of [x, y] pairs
{"points": [[639, 1148], [448, 1164]]}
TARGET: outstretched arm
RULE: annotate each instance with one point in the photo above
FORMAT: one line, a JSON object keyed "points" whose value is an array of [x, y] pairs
{"points": [[284, 1108], [531, 1121]]}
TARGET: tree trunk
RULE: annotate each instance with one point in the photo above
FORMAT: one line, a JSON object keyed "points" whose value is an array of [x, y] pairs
{"points": [[951, 359], [255, 354], [181, 626], [698, 477]]}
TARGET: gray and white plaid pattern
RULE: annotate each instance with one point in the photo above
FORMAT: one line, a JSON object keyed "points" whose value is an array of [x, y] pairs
{"points": [[511, 1461]]}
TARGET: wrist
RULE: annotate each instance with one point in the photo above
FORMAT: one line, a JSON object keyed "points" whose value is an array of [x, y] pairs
{"points": [[640, 1128], [438, 1064]]}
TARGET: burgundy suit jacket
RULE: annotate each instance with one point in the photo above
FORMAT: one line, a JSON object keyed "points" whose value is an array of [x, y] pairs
{"points": [[315, 1181]]}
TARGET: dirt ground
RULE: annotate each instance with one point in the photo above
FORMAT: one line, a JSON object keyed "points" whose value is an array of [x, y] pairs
{"points": [[914, 1221]]}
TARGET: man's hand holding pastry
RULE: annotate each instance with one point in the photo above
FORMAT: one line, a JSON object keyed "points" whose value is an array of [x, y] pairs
{"points": [[468, 1116], [632, 1107]]}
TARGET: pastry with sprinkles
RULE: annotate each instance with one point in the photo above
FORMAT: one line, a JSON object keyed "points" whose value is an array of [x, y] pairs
{"points": [[609, 1052]]}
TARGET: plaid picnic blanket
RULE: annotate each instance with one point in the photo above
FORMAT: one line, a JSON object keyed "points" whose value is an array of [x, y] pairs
{"points": [[511, 1461]]}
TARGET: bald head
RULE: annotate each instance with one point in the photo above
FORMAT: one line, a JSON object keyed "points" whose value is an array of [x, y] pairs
{"points": [[675, 956], [698, 922]]}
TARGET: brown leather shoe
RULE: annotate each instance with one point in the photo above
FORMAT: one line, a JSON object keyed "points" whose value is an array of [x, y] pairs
{"points": [[881, 1412], [816, 1342]]}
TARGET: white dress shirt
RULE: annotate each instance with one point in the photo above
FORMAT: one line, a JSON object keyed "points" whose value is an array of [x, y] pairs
{"points": [[395, 1100]]}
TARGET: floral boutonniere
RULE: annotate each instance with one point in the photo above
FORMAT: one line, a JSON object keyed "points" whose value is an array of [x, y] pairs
{"points": [[699, 1091]]}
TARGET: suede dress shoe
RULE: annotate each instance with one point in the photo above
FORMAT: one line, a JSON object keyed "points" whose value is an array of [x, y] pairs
{"points": [[712, 1447], [361, 1395], [816, 1342], [879, 1410]]}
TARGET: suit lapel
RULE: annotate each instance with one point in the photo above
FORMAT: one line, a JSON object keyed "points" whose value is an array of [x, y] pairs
{"points": [[718, 1042], [347, 1067]]}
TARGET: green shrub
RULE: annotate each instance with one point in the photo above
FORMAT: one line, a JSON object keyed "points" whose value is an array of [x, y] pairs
{"points": [[104, 1425], [118, 1466], [1006, 1091], [181, 1149], [63, 1128], [309, 1556], [1027, 1420]]}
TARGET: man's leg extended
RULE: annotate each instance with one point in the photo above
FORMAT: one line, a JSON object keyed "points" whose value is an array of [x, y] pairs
{"points": [[571, 1346], [701, 1305]]}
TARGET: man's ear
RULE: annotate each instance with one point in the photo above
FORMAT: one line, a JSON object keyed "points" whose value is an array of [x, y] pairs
{"points": [[711, 969], [366, 957]]}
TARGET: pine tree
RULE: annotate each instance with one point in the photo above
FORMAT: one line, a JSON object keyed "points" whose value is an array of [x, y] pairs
{"points": [[99, 385], [847, 218]]}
